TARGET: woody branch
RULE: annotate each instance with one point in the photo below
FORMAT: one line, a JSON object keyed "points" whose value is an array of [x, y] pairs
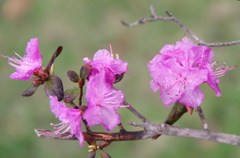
{"points": [[154, 17], [150, 130]]}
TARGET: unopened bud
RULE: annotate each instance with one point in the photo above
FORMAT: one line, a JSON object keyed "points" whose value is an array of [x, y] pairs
{"points": [[85, 71], [73, 76], [30, 91], [54, 87]]}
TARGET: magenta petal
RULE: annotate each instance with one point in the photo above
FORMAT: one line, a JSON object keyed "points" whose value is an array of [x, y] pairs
{"points": [[110, 118], [172, 94], [195, 77], [32, 50], [91, 115], [118, 66], [103, 55], [75, 129], [70, 119], [96, 115], [192, 98], [178, 71], [154, 86], [99, 92], [25, 66], [213, 82], [103, 101], [103, 60]]}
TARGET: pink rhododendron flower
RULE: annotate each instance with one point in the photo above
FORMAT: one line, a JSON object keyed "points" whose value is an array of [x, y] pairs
{"points": [[103, 102], [25, 66], [103, 60], [70, 119], [178, 70]]}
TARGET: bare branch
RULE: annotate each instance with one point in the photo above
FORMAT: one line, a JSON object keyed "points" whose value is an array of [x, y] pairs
{"points": [[154, 17], [151, 130], [135, 112], [202, 117]]}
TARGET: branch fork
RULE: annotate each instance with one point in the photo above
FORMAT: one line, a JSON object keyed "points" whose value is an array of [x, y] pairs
{"points": [[155, 17]]}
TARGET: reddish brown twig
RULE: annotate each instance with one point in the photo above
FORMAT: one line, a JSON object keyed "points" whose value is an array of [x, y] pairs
{"points": [[150, 131]]}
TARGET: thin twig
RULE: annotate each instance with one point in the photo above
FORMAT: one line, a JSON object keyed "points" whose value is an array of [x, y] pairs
{"points": [[135, 112], [81, 83], [202, 117], [150, 131], [154, 17]]}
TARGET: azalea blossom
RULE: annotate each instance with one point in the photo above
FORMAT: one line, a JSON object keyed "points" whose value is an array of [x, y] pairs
{"points": [[178, 71], [103, 60], [70, 119], [25, 66], [103, 101]]}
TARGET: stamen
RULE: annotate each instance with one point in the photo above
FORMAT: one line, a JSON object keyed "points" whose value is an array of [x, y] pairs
{"points": [[110, 47], [56, 124], [214, 63], [125, 106], [61, 127], [18, 55], [220, 71]]}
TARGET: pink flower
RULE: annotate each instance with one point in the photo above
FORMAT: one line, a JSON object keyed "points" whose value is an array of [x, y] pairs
{"points": [[103, 60], [103, 102], [27, 65], [178, 70], [70, 119]]}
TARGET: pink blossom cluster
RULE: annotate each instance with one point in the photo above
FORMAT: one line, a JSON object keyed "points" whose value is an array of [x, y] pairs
{"points": [[178, 71], [103, 100]]}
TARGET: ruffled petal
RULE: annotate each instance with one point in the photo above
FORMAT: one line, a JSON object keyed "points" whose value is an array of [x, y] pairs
{"points": [[172, 94], [103, 101], [103, 60], [71, 118], [107, 117], [213, 82], [192, 98], [27, 65], [178, 71], [33, 51]]}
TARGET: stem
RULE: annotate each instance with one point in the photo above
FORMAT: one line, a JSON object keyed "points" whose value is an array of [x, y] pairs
{"points": [[176, 113], [81, 83], [202, 117]]}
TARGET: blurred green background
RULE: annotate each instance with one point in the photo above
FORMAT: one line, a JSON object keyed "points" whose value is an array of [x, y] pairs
{"points": [[83, 27]]}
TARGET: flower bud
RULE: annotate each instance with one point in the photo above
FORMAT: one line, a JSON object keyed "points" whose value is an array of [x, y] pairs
{"points": [[73, 76], [54, 87], [85, 71], [30, 91]]}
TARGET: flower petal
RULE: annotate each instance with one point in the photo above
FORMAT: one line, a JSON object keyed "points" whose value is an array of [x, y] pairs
{"points": [[67, 115], [192, 98], [107, 117], [103, 60], [25, 66], [103, 101]]}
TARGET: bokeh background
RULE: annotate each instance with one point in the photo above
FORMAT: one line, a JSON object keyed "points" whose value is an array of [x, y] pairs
{"points": [[83, 27]]}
